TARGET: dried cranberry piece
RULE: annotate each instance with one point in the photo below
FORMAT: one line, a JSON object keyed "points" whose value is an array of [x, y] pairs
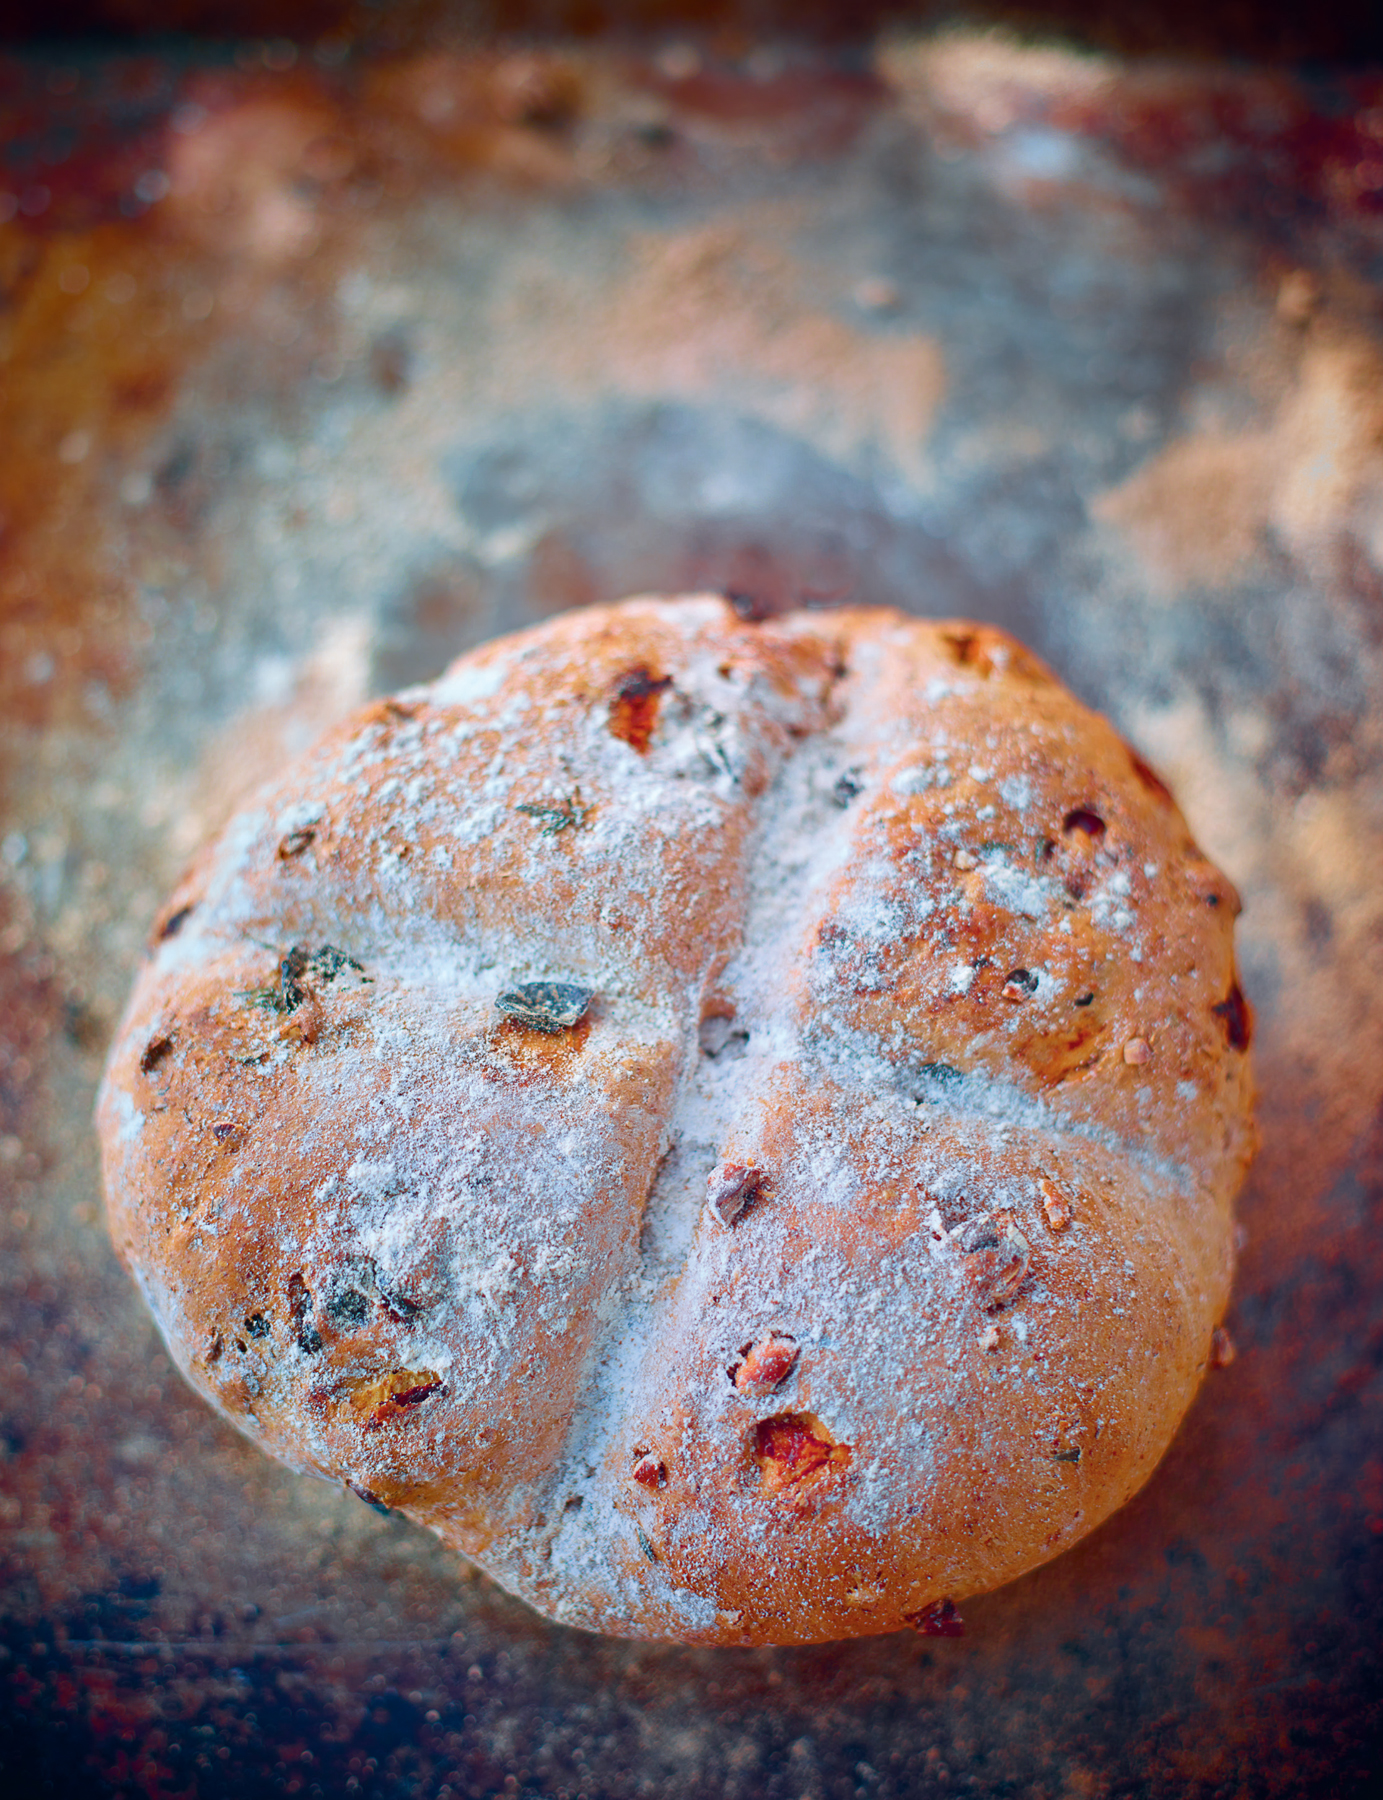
{"points": [[1237, 1016], [1082, 818], [940, 1619]]}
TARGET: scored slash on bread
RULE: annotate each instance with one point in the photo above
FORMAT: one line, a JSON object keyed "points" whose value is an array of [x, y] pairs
{"points": [[750, 1157]]}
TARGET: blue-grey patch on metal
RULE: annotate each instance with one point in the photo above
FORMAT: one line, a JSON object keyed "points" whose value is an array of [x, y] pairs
{"points": [[545, 1005]]}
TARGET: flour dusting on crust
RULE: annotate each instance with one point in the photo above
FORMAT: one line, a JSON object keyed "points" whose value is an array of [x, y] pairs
{"points": [[833, 1219]]}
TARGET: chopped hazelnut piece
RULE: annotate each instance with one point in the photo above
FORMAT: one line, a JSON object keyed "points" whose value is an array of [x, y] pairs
{"points": [[304, 1022], [370, 1498], [732, 1188], [649, 1472], [1055, 1205], [997, 1256], [393, 1396], [1137, 1051], [295, 843], [766, 1364]]}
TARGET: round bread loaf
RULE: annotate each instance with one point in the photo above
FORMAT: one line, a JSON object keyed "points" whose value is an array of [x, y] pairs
{"points": [[732, 1124]]}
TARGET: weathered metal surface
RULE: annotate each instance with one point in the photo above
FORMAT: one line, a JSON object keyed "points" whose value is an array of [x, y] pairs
{"points": [[316, 372]]}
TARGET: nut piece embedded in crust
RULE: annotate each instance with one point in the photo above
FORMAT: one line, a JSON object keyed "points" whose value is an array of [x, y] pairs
{"points": [[731, 1189], [408, 1127], [767, 1364]]}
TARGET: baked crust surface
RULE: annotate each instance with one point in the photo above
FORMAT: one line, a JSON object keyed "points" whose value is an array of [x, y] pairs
{"points": [[859, 1242]]}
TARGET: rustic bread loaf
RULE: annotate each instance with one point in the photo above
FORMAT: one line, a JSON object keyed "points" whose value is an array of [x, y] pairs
{"points": [[732, 1124]]}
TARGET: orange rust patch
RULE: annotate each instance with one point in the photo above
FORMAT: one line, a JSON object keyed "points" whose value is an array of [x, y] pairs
{"points": [[106, 316]]}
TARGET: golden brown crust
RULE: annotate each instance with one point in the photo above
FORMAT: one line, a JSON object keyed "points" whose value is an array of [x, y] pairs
{"points": [[844, 1230]]}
